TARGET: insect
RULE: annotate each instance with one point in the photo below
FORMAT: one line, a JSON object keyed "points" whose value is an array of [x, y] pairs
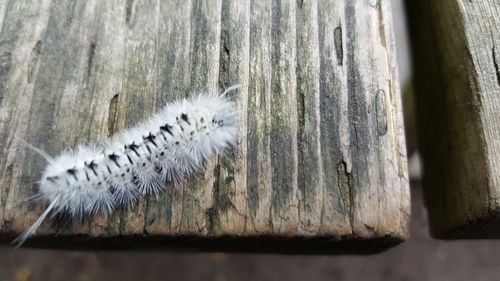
{"points": [[172, 144]]}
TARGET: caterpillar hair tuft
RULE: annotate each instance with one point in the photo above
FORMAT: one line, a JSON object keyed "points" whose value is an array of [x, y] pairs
{"points": [[172, 144]]}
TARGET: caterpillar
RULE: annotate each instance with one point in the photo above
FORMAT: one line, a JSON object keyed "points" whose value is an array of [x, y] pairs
{"points": [[170, 145]]}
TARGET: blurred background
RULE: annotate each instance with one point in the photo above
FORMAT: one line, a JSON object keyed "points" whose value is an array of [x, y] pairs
{"points": [[419, 258]]}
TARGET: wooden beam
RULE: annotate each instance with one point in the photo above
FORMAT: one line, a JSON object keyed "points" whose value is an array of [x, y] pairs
{"points": [[457, 58], [320, 165]]}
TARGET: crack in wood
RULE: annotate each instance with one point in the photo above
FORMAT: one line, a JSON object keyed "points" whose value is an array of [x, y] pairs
{"points": [[112, 115], [495, 64]]}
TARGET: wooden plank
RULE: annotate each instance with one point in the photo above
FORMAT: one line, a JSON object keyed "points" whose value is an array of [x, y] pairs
{"points": [[319, 165], [457, 47]]}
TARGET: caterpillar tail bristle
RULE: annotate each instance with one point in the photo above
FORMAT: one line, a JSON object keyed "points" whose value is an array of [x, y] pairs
{"points": [[33, 228], [40, 152], [232, 88]]}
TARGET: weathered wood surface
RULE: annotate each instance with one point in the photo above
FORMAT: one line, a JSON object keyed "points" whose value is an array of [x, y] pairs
{"points": [[457, 57], [320, 164]]}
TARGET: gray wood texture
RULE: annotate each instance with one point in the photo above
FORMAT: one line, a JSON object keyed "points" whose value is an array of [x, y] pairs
{"points": [[320, 165], [457, 58]]}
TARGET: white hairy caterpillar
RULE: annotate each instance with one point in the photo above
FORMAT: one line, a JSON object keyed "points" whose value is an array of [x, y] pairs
{"points": [[172, 144]]}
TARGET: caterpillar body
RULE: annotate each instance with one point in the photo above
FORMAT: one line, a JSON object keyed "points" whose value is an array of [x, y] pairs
{"points": [[172, 144]]}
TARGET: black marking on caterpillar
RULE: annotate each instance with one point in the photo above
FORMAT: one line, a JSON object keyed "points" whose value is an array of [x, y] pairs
{"points": [[151, 139], [130, 160], [133, 147], [114, 158], [167, 128], [136, 162], [185, 118], [92, 166]]}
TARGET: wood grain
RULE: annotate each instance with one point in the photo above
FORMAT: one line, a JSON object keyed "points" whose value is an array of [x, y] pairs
{"points": [[457, 60], [320, 165]]}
